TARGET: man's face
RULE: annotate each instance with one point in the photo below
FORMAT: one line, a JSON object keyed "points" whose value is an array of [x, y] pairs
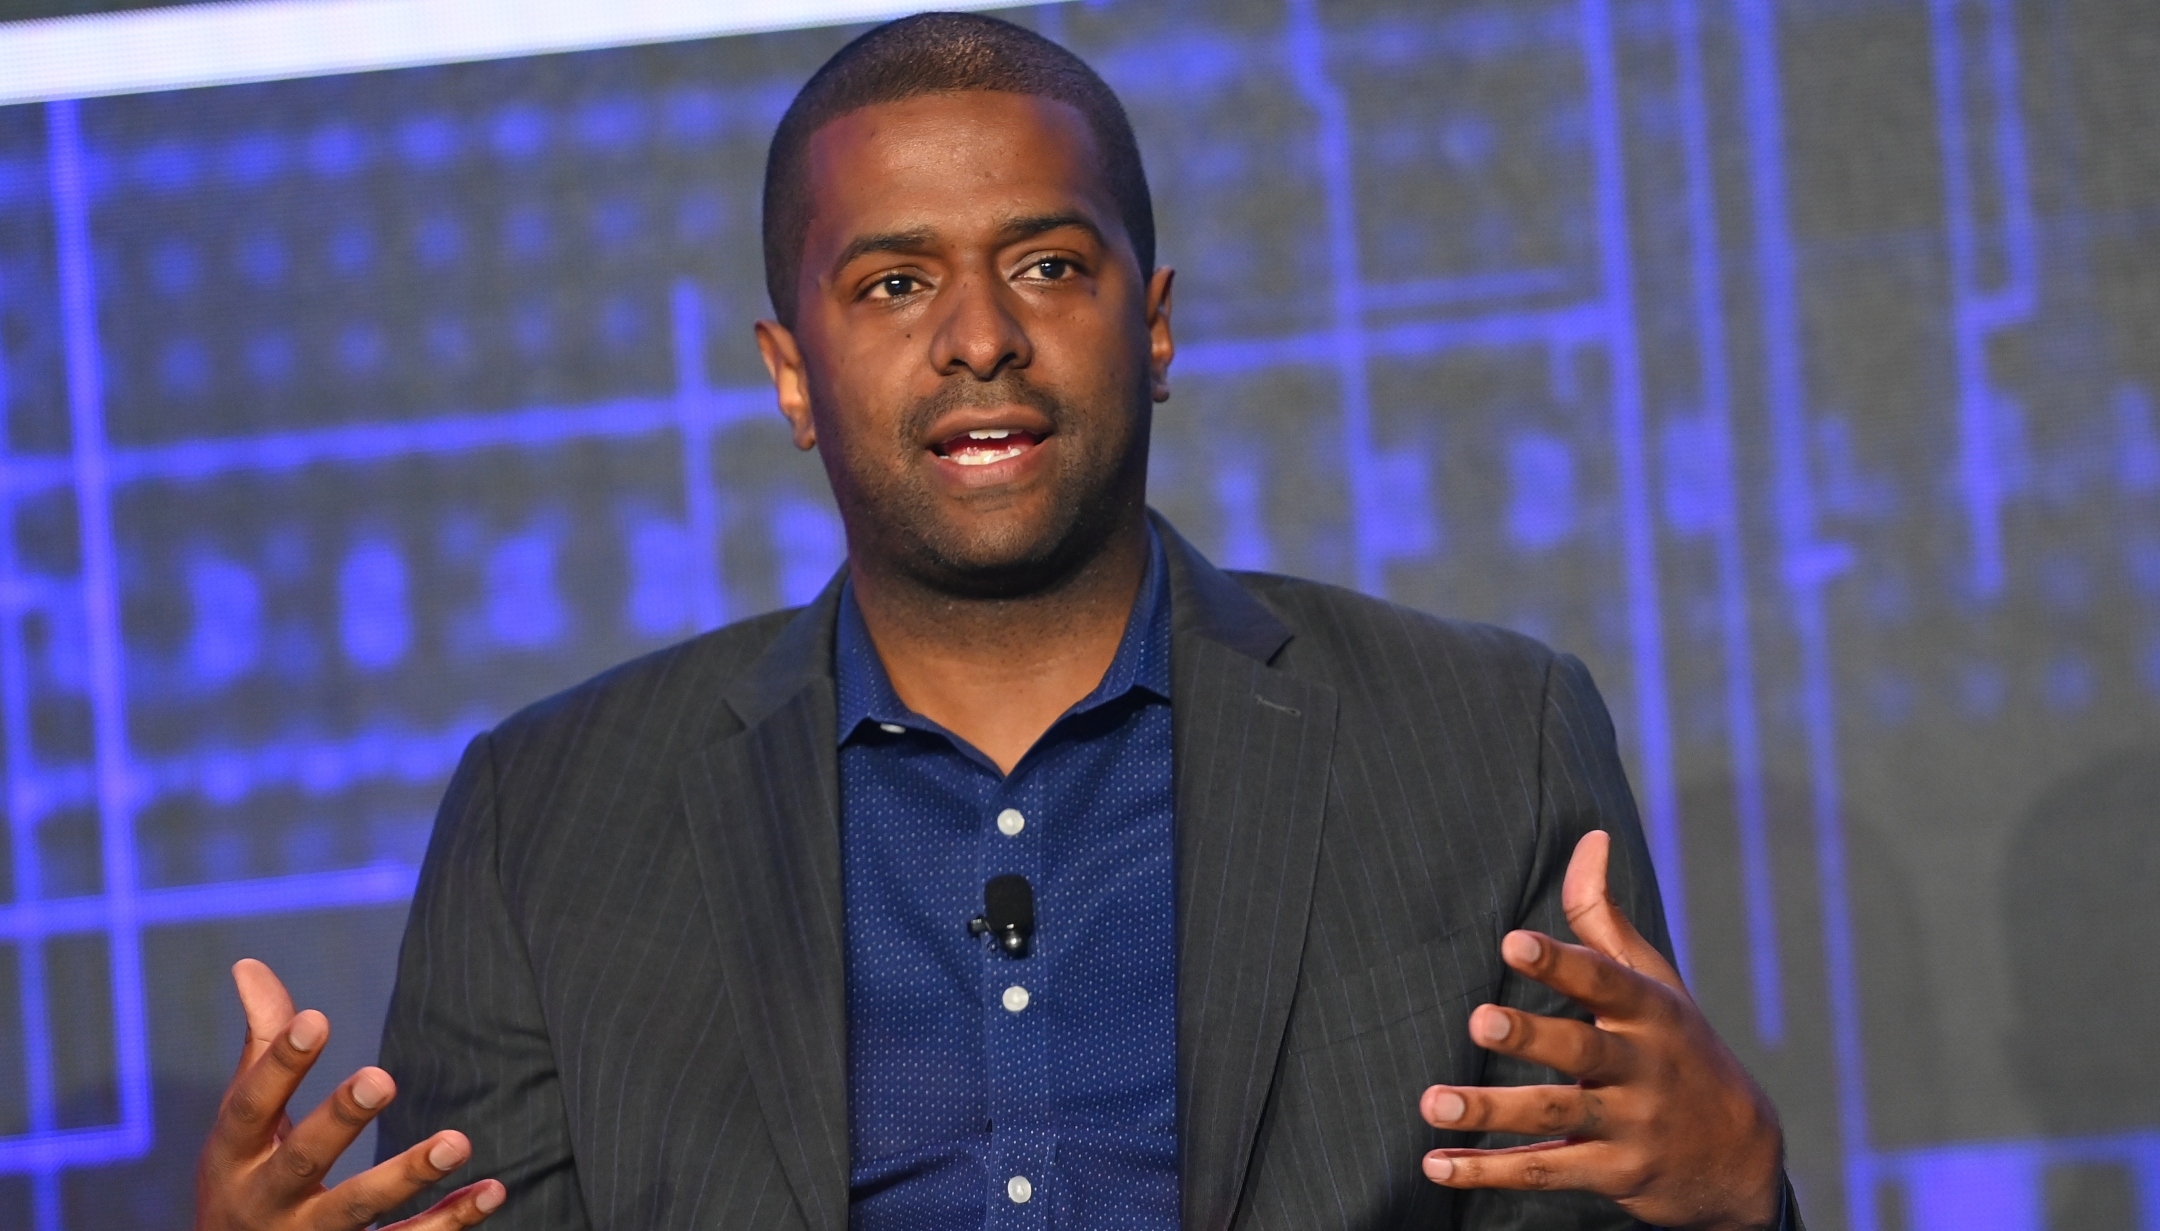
{"points": [[975, 348]]}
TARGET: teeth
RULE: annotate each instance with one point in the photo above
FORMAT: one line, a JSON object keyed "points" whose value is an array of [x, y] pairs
{"points": [[985, 457], [989, 433]]}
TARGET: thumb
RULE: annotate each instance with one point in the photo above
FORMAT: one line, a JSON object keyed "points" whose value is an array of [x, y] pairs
{"points": [[1597, 919], [268, 1006]]}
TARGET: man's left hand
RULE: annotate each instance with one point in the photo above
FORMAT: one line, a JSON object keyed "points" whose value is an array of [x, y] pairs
{"points": [[1663, 1118]]}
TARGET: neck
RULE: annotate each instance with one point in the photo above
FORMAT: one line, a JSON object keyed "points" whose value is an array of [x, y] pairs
{"points": [[998, 672]]}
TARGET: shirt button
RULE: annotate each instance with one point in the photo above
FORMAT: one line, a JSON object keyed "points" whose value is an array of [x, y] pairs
{"points": [[1019, 1189], [1016, 999], [891, 728], [1010, 822]]}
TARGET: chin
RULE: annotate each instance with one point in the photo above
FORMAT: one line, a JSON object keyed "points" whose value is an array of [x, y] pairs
{"points": [[1010, 557]]}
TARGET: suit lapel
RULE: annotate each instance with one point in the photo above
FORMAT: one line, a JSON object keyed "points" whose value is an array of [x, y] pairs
{"points": [[1252, 748], [764, 817]]}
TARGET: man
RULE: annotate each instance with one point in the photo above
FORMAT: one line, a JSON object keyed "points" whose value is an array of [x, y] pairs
{"points": [[1038, 874]]}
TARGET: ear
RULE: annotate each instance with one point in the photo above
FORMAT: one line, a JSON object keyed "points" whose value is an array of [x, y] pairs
{"points": [[1162, 348], [791, 381]]}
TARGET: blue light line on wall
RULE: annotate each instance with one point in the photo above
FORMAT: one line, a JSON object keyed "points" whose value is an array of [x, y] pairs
{"points": [[1807, 564], [1373, 524], [1979, 312], [1551, 329], [1742, 729], [341, 889], [361, 443], [1638, 530], [33, 1001], [697, 411], [101, 610], [2003, 1183]]}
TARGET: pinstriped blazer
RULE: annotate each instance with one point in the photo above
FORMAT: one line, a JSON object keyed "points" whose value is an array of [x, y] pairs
{"points": [[623, 972]]}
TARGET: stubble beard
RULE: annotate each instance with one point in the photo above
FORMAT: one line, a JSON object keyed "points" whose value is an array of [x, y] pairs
{"points": [[897, 525]]}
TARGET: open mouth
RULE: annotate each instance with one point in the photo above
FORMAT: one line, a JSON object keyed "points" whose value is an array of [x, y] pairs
{"points": [[985, 446]]}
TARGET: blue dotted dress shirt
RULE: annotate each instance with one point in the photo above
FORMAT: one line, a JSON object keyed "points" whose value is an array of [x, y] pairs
{"points": [[991, 1091]]}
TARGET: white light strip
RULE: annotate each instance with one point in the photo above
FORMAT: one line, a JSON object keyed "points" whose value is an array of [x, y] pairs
{"points": [[269, 40]]}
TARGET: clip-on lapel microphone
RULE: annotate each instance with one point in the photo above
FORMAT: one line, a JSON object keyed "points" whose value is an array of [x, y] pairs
{"points": [[1008, 913]]}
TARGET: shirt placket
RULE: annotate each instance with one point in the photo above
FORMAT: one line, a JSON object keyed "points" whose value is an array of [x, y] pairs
{"points": [[1018, 998]]}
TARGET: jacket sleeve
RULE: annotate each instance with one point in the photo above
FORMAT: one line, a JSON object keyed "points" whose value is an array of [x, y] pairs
{"points": [[1581, 787], [465, 1038]]}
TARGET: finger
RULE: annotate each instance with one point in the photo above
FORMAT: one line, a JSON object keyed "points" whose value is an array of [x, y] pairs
{"points": [[268, 1006], [1545, 1166], [1532, 1111], [255, 1102], [1598, 920], [1578, 1049], [463, 1208], [305, 1154], [388, 1184], [1589, 978]]}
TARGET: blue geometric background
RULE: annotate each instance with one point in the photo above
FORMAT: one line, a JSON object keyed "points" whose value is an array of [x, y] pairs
{"points": [[1793, 362]]}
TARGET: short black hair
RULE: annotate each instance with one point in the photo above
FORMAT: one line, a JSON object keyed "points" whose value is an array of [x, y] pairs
{"points": [[940, 53]]}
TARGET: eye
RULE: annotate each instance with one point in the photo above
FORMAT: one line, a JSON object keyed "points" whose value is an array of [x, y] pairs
{"points": [[1051, 268], [894, 286]]}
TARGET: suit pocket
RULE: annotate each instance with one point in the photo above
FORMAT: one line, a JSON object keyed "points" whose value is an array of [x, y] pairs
{"points": [[1459, 964]]}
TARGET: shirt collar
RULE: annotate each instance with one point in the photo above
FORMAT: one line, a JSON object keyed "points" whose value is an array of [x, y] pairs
{"points": [[865, 691]]}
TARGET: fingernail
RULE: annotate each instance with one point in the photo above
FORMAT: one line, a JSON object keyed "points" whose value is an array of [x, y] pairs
{"points": [[445, 1155], [1521, 947], [488, 1198], [1494, 1026], [1448, 1107], [306, 1032], [369, 1090], [1439, 1167]]}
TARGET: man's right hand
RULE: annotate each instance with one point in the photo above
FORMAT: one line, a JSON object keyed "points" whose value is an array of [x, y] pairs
{"points": [[261, 1172]]}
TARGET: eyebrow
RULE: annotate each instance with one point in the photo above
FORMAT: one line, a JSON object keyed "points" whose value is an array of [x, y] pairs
{"points": [[888, 241], [1040, 224]]}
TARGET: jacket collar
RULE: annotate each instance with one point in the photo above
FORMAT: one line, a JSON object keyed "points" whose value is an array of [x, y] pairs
{"points": [[801, 655], [1204, 602]]}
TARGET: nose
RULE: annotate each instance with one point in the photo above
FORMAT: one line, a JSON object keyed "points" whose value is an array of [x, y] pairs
{"points": [[979, 333]]}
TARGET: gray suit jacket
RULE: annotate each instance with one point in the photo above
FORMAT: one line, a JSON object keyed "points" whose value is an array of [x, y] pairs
{"points": [[623, 975]]}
